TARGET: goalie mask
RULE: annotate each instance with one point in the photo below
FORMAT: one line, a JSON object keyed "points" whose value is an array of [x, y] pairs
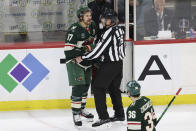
{"points": [[133, 88]]}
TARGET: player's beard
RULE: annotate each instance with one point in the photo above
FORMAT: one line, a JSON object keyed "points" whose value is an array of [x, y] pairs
{"points": [[88, 22]]}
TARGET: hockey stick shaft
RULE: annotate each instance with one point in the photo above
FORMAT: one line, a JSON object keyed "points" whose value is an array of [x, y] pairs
{"points": [[64, 61], [168, 105]]}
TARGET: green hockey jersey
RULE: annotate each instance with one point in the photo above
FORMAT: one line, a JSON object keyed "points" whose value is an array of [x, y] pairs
{"points": [[78, 40], [141, 115]]}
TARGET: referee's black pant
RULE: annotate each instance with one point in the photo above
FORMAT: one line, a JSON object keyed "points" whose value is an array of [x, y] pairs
{"points": [[108, 76]]}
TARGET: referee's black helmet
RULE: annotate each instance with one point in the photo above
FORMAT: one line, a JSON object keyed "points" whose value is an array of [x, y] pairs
{"points": [[110, 14]]}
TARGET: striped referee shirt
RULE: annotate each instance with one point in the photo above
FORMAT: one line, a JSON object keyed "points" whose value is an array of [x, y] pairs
{"points": [[110, 47]]}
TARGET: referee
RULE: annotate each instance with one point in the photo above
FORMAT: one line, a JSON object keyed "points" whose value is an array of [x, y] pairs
{"points": [[110, 49]]}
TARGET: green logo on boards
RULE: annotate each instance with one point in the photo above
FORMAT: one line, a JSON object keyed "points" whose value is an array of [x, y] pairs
{"points": [[5, 66], [29, 72]]}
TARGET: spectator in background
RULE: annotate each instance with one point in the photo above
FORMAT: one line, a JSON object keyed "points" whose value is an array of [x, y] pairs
{"points": [[98, 7], [193, 20], [142, 7], [131, 16], [182, 18], [121, 13], [156, 19], [193, 15]]}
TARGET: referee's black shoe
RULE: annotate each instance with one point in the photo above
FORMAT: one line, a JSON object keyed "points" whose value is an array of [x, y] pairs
{"points": [[101, 122], [115, 118]]}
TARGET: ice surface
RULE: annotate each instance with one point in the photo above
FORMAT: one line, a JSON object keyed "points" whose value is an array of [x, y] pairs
{"points": [[177, 118]]}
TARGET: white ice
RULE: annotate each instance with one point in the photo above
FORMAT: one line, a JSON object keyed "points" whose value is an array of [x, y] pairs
{"points": [[177, 118]]}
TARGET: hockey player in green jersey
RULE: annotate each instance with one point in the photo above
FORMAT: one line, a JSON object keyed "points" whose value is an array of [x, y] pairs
{"points": [[140, 114], [79, 40]]}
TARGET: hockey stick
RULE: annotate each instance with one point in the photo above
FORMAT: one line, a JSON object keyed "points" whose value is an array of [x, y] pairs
{"points": [[64, 61], [168, 105]]}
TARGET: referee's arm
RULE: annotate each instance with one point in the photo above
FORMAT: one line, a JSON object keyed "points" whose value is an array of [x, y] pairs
{"points": [[100, 47]]}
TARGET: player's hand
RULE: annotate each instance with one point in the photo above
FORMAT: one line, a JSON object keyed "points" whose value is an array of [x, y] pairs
{"points": [[89, 41], [78, 59]]}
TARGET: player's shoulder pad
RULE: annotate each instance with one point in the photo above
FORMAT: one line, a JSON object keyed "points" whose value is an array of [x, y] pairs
{"points": [[146, 98], [93, 23], [73, 27], [119, 27]]}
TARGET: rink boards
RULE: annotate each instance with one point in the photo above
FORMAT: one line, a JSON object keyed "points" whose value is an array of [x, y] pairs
{"points": [[31, 77]]}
